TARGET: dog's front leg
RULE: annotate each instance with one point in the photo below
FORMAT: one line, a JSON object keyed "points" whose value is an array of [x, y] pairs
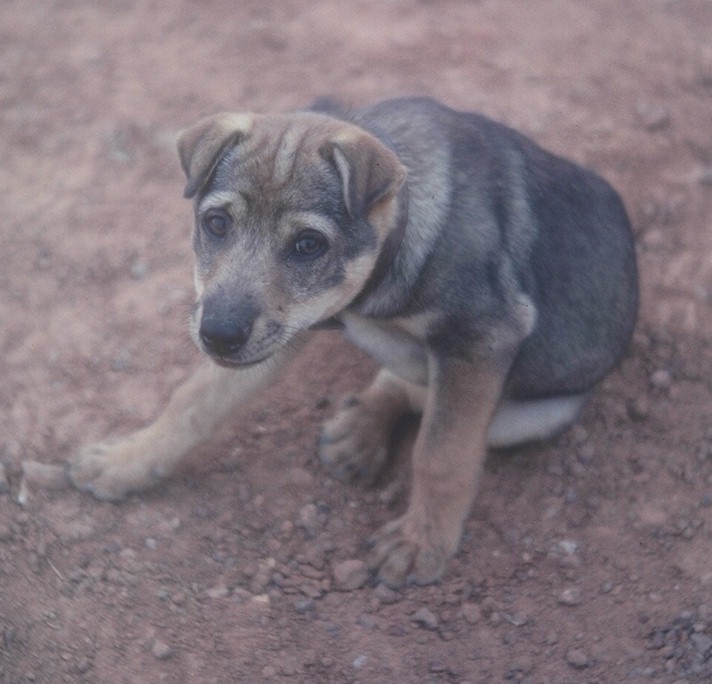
{"points": [[112, 469], [447, 460]]}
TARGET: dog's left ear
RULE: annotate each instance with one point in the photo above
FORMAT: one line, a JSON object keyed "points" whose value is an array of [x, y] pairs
{"points": [[369, 171], [201, 146]]}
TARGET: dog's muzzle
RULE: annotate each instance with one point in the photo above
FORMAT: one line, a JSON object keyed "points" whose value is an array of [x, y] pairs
{"points": [[223, 338], [226, 325]]}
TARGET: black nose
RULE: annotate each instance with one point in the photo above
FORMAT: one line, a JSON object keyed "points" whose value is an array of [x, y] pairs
{"points": [[223, 337]]}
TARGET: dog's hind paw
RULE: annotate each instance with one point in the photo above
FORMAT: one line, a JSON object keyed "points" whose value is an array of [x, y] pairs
{"points": [[111, 470], [354, 443]]}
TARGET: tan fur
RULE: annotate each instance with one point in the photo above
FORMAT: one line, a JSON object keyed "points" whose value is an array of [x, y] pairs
{"points": [[199, 146], [111, 469], [447, 460]]}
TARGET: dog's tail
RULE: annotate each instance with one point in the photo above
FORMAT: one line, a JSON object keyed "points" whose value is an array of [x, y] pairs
{"points": [[518, 422]]}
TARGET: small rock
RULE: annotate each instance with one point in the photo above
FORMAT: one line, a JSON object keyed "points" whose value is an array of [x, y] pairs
{"points": [[304, 606], [286, 527], [262, 578], [653, 117], [23, 494], [310, 590], [471, 612], [437, 666], [517, 619], [350, 574], [366, 621], [161, 650], [425, 618], [269, 672], [308, 517], [638, 409], [83, 665], [179, 598], [489, 605], [495, 618], [262, 600], [607, 587], [521, 665], [657, 641], [359, 661], [661, 379], [218, 591], [577, 658], [288, 667], [385, 594], [299, 477], [567, 547], [570, 597]]}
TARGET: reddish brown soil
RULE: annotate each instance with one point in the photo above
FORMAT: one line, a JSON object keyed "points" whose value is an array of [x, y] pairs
{"points": [[585, 560]]}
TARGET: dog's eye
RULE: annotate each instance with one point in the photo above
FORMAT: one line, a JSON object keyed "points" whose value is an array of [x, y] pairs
{"points": [[217, 223], [310, 244]]}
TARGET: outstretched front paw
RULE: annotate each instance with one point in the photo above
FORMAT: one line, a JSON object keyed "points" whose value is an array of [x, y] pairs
{"points": [[111, 470], [405, 552]]}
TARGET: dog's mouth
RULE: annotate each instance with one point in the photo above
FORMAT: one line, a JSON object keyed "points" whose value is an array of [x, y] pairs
{"points": [[236, 363], [249, 355], [243, 359], [233, 347]]}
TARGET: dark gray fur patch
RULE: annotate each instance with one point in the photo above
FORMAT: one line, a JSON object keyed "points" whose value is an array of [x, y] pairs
{"points": [[519, 220]]}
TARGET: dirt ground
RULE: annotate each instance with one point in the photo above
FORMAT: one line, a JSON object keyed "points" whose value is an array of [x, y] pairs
{"points": [[588, 559]]}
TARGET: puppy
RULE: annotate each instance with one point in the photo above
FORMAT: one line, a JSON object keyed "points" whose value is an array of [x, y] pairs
{"points": [[494, 282]]}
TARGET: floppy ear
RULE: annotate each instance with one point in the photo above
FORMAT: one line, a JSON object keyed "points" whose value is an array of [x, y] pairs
{"points": [[369, 171], [201, 146]]}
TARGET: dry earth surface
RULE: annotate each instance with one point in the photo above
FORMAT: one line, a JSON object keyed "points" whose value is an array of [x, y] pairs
{"points": [[588, 559]]}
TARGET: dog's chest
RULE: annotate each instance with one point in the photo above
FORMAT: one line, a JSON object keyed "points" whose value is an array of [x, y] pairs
{"points": [[395, 345]]}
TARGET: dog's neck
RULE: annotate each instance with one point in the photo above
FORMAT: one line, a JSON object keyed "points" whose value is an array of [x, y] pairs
{"points": [[387, 255], [389, 249]]}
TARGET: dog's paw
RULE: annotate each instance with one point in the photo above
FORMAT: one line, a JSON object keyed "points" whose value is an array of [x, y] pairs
{"points": [[111, 470], [402, 552], [354, 443]]}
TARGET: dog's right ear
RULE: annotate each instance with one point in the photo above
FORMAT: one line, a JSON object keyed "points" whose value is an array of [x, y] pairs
{"points": [[201, 146], [369, 171]]}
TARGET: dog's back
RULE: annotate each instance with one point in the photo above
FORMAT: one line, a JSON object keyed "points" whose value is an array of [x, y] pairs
{"points": [[492, 211]]}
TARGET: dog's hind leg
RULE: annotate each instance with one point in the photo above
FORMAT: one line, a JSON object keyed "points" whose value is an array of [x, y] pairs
{"points": [[354, 443], [521, 421]]}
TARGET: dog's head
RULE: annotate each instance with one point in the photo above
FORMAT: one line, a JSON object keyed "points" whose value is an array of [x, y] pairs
{"points": [[291, 213]]}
